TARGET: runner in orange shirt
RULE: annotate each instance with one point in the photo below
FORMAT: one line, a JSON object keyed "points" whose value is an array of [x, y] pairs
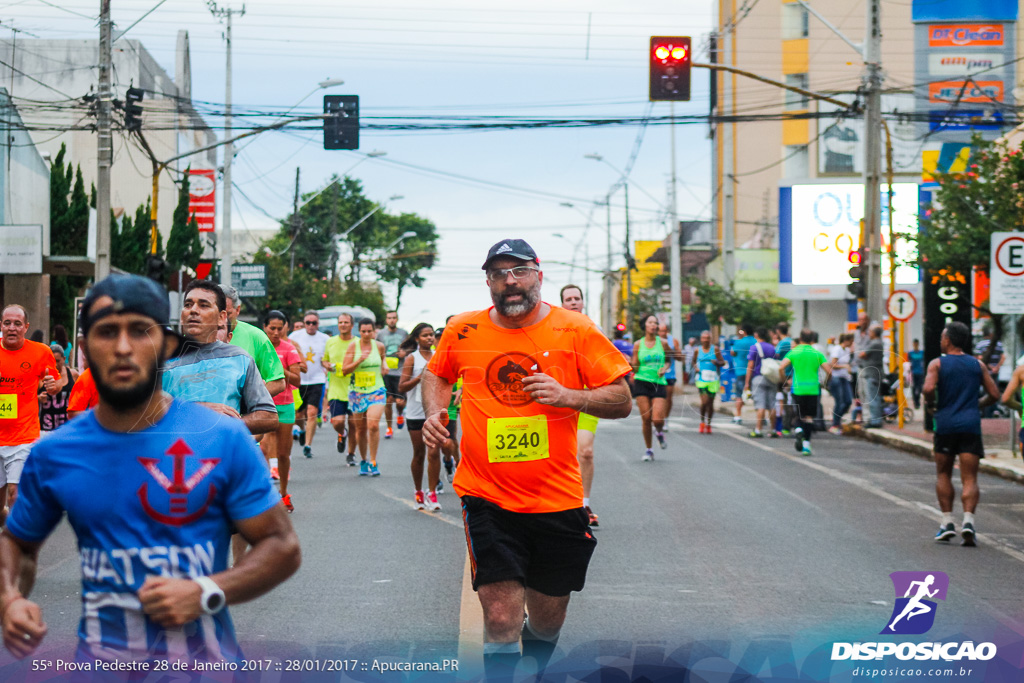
{"points": [[83, 395], [524, 366], [23, 364]]}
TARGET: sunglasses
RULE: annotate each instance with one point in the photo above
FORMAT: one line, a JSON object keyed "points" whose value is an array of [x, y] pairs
{"points": [[311, 322]]}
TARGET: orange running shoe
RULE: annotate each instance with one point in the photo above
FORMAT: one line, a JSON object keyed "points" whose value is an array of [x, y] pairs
{"points": [[388, 434], [274, 474], [287, 501]]}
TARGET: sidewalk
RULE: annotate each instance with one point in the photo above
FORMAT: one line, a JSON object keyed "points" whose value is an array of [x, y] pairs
{"points": [[911, 439]]}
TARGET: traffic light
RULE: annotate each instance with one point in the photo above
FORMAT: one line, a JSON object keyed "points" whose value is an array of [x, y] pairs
{"points": [[133, 109], [621, 327], [858, 270], [670, 68], [156, 268], [341, 126]]}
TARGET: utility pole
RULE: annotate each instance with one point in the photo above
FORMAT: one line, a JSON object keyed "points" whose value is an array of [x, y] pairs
{"points": [[872, 158], [629, 263], [104, 148], [226, 256], [609, 308], [295, 224], [675, 277], [728, 132]]}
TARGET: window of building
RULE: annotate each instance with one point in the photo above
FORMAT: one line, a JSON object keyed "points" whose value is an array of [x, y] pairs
{"points": [[796, 100], [796, 22], [796, 162]]}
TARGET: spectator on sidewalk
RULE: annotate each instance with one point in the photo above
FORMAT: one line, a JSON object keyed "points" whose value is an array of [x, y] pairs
{"points": [[740, 350], [841, 386], [860, 341], [761, 388], [871, 370], [916, 357]]}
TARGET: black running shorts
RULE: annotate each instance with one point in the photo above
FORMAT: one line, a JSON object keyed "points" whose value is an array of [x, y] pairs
{"points": [[649, 389], [414, 425], [311, 395], [546, 551], [338, 408], [391, 384], [955, 444], [807, 406]]}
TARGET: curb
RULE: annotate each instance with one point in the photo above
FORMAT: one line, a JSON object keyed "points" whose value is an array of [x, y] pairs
{"points": [[911, 445]]}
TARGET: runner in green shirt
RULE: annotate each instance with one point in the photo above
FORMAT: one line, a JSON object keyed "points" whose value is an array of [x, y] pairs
{"points": [[254, 341], [805, 361], [338, 385]]}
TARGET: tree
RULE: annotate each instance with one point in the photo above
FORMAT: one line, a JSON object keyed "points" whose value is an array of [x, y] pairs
{"points": [[184, 248], [760, 309], [69, 234], [402, 268]]}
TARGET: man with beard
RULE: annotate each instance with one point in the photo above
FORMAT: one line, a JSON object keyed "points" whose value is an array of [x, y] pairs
{"points": [[218, 375], [529, 369], [170, 480]]}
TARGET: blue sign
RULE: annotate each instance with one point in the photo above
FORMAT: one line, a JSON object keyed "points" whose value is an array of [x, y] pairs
{"points": [[965, 10], [972, 119]]}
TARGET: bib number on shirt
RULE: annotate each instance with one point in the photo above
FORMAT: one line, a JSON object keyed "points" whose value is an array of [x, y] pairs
{"points": [[8, 406], [365, 379], [517, 439], [708, 376]]}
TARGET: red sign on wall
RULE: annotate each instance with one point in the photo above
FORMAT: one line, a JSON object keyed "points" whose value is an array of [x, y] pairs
{"points": [[965, 35], [202, 197]]}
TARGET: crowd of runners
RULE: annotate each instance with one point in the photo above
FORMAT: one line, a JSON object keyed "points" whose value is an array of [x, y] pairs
{"points": [[502, 404]]}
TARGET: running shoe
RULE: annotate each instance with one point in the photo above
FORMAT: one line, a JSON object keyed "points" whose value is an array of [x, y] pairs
{"points": [[946, 532], [341, 442], [707, 430], [786, 432], [299, 434], [449, 469], [364, 468], [661, 440], [591, 517], [350, 459], [307, 451], [700, 429], [432, 504], [421, 501], [799, 443], [400, 422], [648, 455], [774, 435], [388, 434], [374, 472], [737, 420], [274, 474], [806, 450], [287, 502], [835, 430], [755, 434], [440, 487], [968, 534]]}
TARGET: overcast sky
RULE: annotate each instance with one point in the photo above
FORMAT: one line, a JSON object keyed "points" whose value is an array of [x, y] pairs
{"points": [[452, 58]]}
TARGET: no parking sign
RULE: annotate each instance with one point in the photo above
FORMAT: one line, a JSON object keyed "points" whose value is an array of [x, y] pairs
{"points": [[1006, 270]]}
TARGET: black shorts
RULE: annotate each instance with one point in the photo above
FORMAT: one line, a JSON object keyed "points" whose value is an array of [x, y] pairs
{"points": [[546, 551], [391, 384], [955, 444], [338, 408], [670, 381], [807, 406], [312, 395], [648, 389], [414, 425]]}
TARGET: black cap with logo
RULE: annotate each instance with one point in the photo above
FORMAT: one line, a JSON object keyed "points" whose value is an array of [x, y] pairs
{"points": [[513, 248], [130, 294]]}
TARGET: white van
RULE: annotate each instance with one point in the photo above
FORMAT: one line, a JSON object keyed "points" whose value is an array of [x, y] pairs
{"points": [[329, 318]]}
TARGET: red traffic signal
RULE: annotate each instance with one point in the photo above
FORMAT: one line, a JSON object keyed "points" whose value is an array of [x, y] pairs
{"points": [[621, 327], [670, 68], [854, 257]]}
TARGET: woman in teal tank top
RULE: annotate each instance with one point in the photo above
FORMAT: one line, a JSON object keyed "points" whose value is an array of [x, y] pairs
{"points": [[651, 360], [366, 396]]}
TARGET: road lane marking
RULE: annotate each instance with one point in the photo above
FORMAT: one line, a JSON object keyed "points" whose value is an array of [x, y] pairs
{"points": [[913, 506], [412, 506], [471, 623]]}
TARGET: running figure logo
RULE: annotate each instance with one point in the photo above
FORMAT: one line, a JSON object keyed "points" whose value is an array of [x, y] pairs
{"points": [[914, 612]]}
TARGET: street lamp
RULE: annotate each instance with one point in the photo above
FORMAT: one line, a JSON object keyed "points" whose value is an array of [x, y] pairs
{"points": [[405, 235], [392, 198]]}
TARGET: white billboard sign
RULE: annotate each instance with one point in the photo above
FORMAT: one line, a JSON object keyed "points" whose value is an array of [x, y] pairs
{"points": [[1006, 273], [826, 228], [966, 64], [21, 249]]}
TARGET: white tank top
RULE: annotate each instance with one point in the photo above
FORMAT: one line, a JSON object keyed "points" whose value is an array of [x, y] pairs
{"points": [[413, 399]]}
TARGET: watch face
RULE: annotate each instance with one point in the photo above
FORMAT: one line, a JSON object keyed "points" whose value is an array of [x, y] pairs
{"points": [[214, 602]]}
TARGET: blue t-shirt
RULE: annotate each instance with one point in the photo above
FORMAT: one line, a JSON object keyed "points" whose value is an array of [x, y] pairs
{"points": [[741, 351], [157, 502], [957, 409], [217, 373], [916, 362]]}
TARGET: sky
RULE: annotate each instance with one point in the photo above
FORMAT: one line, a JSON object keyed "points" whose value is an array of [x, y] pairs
{"points": [[563, 59]]}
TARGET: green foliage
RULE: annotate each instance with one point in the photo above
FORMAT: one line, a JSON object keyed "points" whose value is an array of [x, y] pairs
{"points": [[760, 309], [968, 207], [130, 244], [399, 268], [640, 304], [69, 235], [184, 248]]}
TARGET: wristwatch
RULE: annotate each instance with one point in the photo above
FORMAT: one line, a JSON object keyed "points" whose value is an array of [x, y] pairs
{"points": [[212, 600]]}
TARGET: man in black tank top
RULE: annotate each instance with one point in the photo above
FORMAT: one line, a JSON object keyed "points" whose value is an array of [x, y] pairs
{"points": [[951, 386]]}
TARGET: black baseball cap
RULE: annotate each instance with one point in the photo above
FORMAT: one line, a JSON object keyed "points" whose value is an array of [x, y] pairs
{"points": [[515, 248], [131, 294]]}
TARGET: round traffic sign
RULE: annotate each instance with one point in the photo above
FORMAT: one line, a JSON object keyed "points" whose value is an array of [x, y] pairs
{"points": [[1010, 256], [902, 305]]}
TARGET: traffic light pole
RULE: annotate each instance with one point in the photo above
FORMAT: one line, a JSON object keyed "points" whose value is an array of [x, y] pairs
{"points": [[872, 160], [675, 276]]}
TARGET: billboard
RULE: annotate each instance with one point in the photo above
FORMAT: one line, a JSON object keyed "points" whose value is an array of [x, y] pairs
{"points": [[841, 141], [952, 92], [820, 225], [964, 63], [966, 35], [202, 197]]}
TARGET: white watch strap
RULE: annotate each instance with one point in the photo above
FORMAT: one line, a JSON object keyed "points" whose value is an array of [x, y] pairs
{"points": [[210, 588]]}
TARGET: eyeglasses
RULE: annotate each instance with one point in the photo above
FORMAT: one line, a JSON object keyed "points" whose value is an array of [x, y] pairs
{"points": [[311, 322], [519, 272]]}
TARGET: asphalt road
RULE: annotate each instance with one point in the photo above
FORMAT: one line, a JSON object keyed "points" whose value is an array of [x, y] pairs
{"points": [[724, 551]]}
